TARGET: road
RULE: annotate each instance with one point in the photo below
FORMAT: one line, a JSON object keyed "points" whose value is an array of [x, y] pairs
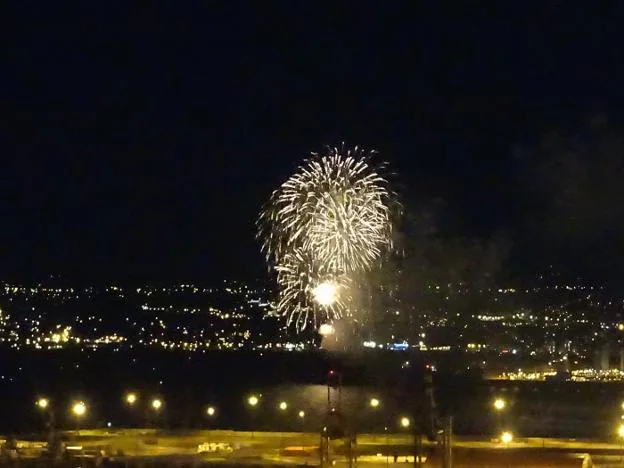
{"points": [[302, 448]]}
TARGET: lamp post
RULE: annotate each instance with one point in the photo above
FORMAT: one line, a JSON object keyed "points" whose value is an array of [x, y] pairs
{"points": [[283, 406], [499, 406], [252, 402], [211, 412], [621, 436], [301, 416], [131, 399], [79, 409], [404, 423], [156, 406], [43, 405], [374, 403]]}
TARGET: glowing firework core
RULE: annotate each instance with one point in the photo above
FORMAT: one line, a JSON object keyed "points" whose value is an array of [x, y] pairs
{"points": [[326, 329], [325, 293]]}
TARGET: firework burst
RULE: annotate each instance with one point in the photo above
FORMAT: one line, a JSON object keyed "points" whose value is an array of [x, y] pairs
{"points": [[328, 222]]}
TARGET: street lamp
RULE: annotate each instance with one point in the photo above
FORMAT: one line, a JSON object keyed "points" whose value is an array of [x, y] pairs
{"points": [[283, 406], [499, 404], [131, 398], [253, 401], [374, 403], [621, 435], [506, 437], [210, 411], [157, 404], [79, 409], [43, 403], [301, 414], [405, 422]]}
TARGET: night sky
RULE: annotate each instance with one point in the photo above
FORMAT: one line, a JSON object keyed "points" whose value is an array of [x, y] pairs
{"points": [[141, 143]]}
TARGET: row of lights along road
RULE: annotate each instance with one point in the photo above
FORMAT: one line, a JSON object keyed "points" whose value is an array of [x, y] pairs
{"points": [[79, 408]]}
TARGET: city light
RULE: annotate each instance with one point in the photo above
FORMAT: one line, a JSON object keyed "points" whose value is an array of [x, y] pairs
{"points": [[283, 406], [156, 404], [506, 437], [302, 414], [43, 403], [374, 402], [79, 409], [499, 404], [210, 411], [405, 422], [253, 400], [327, 329], [131, 398]]}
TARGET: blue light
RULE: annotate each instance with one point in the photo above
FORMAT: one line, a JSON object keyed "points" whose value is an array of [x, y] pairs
{"points": [[399, 346]]}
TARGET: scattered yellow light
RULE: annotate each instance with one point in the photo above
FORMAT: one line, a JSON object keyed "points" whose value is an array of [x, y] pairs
{"points": [[499, 404], [210, 411], [79, 408], [283, 406], [405, 422], [157, 404], [302, 414], [621, 430], [326, 329], [506, 437], [374, 402]]}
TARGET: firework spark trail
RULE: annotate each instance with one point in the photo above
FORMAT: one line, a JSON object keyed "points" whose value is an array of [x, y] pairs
{"points": [[329, 221]]}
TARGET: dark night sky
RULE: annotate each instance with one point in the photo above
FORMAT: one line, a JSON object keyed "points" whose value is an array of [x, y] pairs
{"points": [[142, 142]]}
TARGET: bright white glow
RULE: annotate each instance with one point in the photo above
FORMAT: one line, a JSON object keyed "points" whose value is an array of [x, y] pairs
{"points": [[283, 406], [499, 404], [326, 329], [302, 414], [506, 437], [374, 402], [131, 398], [210, 411], [253, 400], [156, 404], [405, 422], [325, 293]]}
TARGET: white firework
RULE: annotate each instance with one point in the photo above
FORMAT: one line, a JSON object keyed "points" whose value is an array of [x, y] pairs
{"points": [[330, 220]]}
